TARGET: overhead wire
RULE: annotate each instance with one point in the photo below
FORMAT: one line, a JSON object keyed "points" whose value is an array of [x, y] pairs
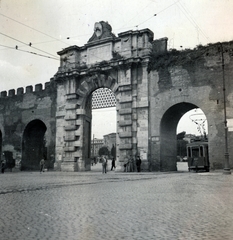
{"points": [[33, 28], [17, 47], [140, 12], [185, 11], [37, 54], [189, 16], [55, 39], [53, 57], [27, 44], [34, 43], [136, 16], [157, 13]]}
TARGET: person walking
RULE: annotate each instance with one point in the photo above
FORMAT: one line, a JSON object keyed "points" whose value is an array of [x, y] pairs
{"points": [[126, 166], [138, 163], [3, 163], [42, 163], [131, 160], [113, 163], [104, 165]]}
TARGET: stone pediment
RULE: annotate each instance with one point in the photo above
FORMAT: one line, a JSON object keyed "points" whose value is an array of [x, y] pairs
{"points": [[105, 46], [102, 30]]}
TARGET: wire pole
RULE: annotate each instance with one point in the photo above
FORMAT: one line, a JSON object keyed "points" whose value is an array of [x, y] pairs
{"points": [[226, 169], [93, 148]]}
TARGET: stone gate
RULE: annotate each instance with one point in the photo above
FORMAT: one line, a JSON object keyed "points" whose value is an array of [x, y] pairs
{"points": [[153, 87]]}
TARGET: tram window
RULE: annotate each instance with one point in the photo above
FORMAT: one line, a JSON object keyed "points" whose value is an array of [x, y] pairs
{"points": [[201, 151], [195, 152], [189, 152]]}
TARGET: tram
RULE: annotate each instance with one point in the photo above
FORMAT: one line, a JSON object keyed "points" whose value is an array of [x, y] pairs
{"points": [[198, 156], [197, 150]]}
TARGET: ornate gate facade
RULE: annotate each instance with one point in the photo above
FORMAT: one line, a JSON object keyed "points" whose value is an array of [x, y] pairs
{"points": [[106, 61]]}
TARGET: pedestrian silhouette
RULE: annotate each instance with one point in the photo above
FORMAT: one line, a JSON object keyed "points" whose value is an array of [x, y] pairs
{"points": [[130, 167], [113, 163], [3, 165], [138, 163], [104, 164], [42, 163]]}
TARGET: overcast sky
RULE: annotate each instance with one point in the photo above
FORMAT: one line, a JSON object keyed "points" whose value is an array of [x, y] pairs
{"points": [[51, 25]]}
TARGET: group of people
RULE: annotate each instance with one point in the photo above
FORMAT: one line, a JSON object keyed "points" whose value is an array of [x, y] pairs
{"points": [[128, 167], [3, 165]]}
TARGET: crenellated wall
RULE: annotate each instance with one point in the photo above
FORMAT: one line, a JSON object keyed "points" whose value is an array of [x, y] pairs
{"points": [[20, 109], [21, 90]]}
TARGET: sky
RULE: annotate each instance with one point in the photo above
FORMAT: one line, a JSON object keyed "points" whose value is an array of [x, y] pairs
{"points": [[45, 27]]}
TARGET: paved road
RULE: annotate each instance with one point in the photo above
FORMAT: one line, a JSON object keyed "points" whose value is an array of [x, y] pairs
{"points": [[112, 206]]}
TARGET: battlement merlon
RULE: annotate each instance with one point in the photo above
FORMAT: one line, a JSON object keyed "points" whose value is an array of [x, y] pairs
{"points": [[29, 89], [105, 46]]}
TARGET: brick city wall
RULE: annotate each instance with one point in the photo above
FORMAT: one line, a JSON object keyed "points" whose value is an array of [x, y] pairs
{"points": [[18, 109], [181, 81]]}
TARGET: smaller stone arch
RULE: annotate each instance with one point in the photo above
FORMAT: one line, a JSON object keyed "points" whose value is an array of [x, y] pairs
{"points": [[168, 125], [33, 145]]}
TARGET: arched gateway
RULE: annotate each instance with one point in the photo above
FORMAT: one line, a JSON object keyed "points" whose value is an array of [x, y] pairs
{"points": [[104, 62], [153, 87]]}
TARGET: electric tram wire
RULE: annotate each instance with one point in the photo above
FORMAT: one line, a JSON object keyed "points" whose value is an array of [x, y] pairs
{"points": [[27, 44], [37, 54], [189, 16], [33, 28]]}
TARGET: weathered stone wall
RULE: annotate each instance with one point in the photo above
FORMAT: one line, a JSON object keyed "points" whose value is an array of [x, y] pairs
{"points": [[196, 81], [18, 110]]}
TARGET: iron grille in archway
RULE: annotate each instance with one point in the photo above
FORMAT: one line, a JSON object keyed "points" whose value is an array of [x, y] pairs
{"points": [[103, 98]]}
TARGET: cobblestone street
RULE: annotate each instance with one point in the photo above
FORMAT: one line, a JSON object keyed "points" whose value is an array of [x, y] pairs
{"points": [[92, 205]]}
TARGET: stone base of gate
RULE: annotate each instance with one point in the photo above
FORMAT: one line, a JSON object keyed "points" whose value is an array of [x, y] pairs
{"points": [[69, 166], [57, 166], [144, 167]]}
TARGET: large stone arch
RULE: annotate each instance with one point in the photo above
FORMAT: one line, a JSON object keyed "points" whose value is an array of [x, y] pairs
{"points": [[87, 87], [33, 145], [168, 125], [73, 137]]}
